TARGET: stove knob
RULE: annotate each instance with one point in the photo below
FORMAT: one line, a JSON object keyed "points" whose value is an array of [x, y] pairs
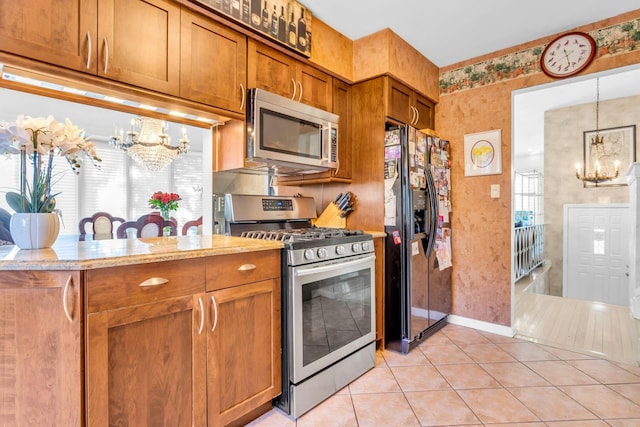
{"points": [[366, 246], [322, 253], [340, 250], [309, 254], [356, 247]]}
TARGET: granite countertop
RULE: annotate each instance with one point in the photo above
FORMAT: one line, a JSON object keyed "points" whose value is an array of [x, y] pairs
{"points": [[68, 253]]}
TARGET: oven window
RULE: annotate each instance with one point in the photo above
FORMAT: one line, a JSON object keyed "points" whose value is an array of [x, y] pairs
{"points": [[286, 134], [335, 312]]}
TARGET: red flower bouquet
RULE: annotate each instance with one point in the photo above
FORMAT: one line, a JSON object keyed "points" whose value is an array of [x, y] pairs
{"points": [[165, 202]]}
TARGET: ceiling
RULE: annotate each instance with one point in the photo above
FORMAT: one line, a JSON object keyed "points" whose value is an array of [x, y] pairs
{"points": [[450, 31]]}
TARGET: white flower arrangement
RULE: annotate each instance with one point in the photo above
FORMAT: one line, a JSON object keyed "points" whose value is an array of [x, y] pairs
{"points": [[40, 139]]}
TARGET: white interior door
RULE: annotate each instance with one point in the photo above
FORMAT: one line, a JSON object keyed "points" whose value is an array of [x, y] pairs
{"points": [[596, 252]]}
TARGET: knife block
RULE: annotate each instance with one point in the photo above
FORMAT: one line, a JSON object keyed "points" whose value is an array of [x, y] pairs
{"points": [[330, 218]]}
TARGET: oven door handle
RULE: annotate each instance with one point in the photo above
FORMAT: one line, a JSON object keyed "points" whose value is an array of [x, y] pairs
{"points": [[332, 267]]}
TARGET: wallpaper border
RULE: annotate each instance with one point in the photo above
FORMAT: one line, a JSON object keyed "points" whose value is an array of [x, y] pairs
{"points": [[613, 40]]}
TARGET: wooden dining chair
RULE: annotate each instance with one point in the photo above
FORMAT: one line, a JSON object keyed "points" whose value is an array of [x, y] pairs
{"points": [[101, 225], [149, 225], [192, 225]]}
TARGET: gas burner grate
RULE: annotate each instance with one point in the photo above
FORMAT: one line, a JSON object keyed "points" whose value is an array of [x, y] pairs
{"points": [[300, 234]]}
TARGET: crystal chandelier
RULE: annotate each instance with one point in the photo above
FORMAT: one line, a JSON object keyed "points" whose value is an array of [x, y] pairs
{"points": [[601, 171], [150, 146]]}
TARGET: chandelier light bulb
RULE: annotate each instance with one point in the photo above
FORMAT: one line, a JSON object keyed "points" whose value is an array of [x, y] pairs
{"points": [[151, 146]]}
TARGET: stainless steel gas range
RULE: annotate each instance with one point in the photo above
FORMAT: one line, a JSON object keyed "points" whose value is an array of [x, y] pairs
{"points": [[328, 291]]}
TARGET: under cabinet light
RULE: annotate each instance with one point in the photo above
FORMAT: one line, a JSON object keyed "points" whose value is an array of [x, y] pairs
{"points": [[94, 95]]}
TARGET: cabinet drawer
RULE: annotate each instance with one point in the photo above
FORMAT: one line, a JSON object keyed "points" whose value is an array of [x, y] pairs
{"points": [[237, 269], [115, 287]]}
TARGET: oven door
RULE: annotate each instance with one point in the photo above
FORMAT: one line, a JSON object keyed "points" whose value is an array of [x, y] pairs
{"points": [[332, 313]]}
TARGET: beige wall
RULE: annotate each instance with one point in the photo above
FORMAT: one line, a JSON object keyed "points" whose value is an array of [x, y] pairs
{"points": [[482, 226], [563, 142]]}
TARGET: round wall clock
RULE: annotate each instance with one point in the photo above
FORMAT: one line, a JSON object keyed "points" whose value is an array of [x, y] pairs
{"points": [[568, 54]]}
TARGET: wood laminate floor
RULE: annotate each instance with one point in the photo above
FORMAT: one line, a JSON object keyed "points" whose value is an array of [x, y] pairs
{"points": [[602, 330]]}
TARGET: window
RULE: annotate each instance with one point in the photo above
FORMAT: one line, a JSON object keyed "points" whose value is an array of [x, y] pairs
{"points": [[119, 186]]}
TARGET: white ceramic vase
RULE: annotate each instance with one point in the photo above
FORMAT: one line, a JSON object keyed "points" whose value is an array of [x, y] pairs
{"points": [[34, 230]]}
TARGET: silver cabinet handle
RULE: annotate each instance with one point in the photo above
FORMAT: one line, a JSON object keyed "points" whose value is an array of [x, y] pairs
{"points": [[215, 313], [247, 267], [417, 115], [300, 95], [243, 92], [294, 89], [201, 304], [65, 293], [413, 115], [106, 54], [89, 50], [154, 281]]}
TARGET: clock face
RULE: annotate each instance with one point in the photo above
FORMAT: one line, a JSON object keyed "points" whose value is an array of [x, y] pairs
{"points": [[568, 54]]}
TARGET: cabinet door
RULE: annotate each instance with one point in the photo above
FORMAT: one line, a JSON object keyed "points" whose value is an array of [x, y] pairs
{"points": [[145, 364], [139, 43], [425, 111], [243, 349], [314, 87], [60, 33], [213, 64], [342, 107], [399, 102], [271, 70], [40, 347]]}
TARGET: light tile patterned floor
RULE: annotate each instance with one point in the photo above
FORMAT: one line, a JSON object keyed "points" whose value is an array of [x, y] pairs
{"points": [[464, 377]]}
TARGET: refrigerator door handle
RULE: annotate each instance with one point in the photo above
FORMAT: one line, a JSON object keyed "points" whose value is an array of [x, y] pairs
{"points": [[433, 213]]}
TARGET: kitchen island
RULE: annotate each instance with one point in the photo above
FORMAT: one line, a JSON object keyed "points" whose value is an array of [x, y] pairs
{"points": [[162, 331]]}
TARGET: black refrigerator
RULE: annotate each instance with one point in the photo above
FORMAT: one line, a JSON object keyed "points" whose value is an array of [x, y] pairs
{"points": [[417, 207]]}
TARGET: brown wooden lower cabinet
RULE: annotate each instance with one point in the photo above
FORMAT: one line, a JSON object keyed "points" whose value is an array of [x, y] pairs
{"points": [[141, 344], [244, 350], [41, 325], [146, 364]]}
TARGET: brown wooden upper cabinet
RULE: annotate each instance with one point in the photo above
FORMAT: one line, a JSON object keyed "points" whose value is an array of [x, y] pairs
{"points": [[408, 106], [60, 33], [214, 63], [135, 42], [276, 72]]}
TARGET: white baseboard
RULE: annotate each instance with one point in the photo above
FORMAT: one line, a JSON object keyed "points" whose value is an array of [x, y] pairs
{"points": [[482, 326]]}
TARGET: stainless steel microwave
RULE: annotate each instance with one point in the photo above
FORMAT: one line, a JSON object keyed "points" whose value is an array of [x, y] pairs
{"points": [[290, 136]]}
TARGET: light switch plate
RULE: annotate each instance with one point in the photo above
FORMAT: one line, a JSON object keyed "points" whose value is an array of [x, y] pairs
{"points": [[495, 191]]}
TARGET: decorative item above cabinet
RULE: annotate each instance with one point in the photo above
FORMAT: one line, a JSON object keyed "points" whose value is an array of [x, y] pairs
{"points": [[288, 23]]}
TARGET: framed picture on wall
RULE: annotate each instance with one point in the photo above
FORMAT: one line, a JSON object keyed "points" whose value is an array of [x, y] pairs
{"points": [[482, 154], [616, 144]]}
